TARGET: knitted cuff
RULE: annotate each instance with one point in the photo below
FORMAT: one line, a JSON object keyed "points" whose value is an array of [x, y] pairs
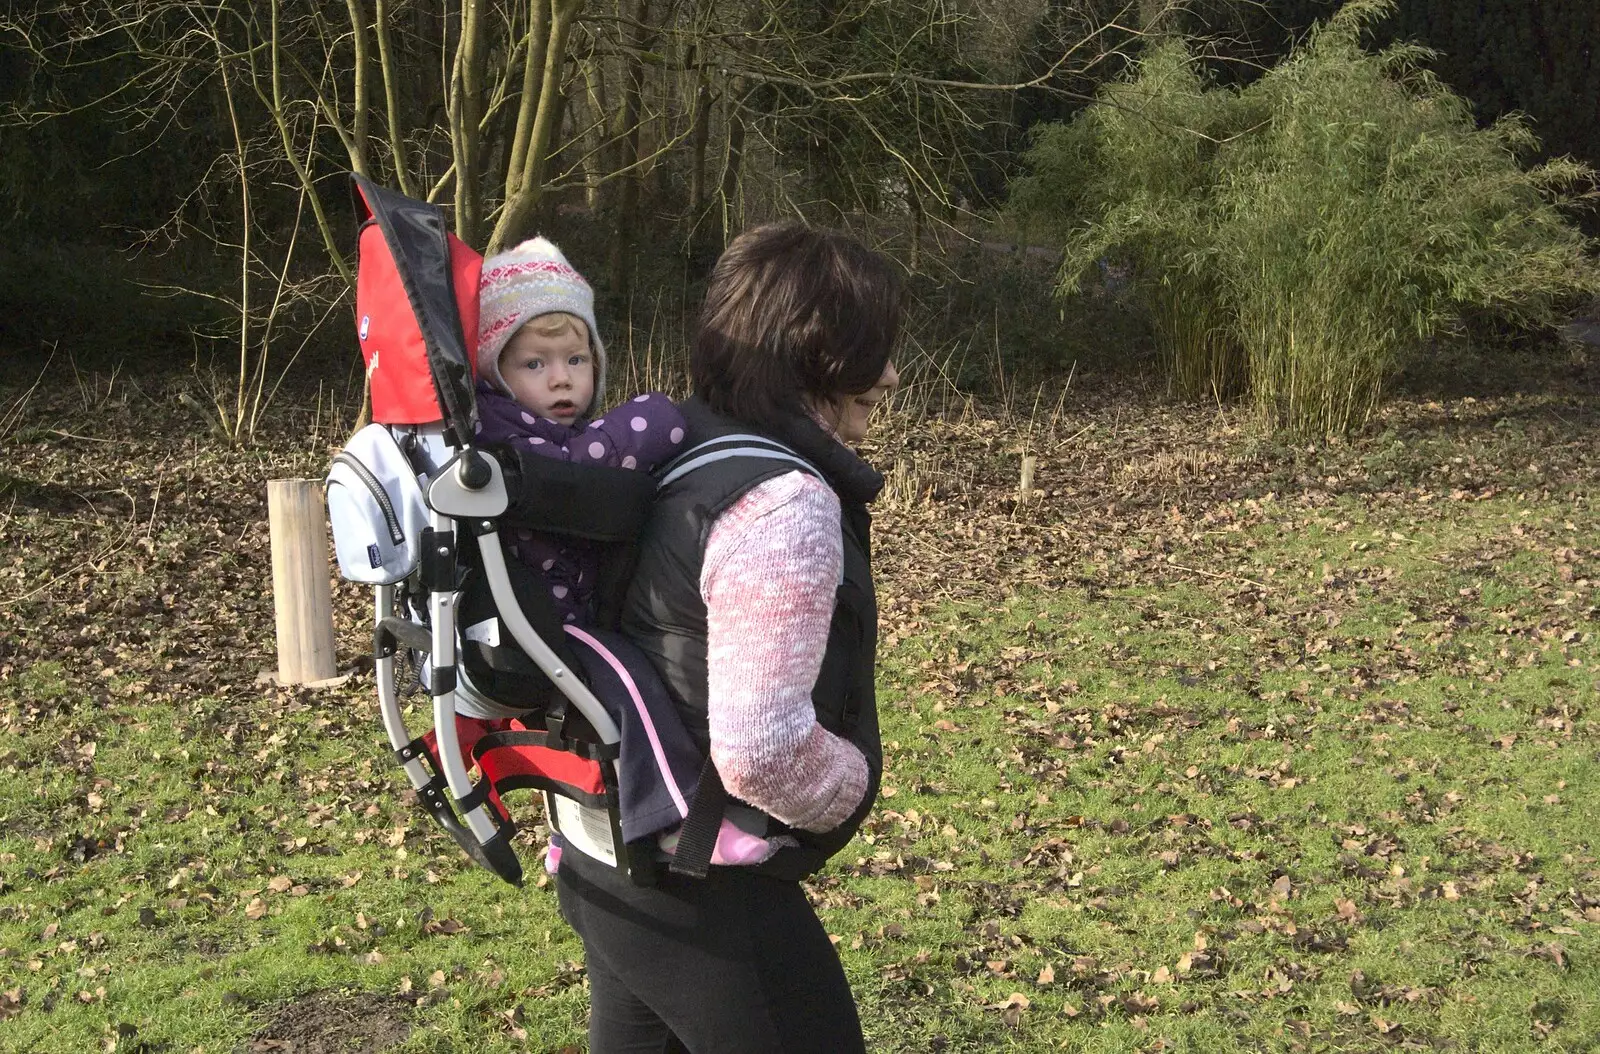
{"points": [[847, 795]]}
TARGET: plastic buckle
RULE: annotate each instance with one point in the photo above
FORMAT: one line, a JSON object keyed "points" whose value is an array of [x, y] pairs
{"points": [[555, 720]]}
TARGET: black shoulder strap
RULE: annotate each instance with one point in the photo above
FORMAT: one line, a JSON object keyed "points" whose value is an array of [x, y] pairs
{"points": [[729, 446], [697, 839]]}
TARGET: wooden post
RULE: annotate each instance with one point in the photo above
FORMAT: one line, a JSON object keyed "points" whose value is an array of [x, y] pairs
{"points": [[301, 596], [1025, 485]]}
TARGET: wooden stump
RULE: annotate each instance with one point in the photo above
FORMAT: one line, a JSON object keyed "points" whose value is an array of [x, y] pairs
{"points": [[301, 597]]}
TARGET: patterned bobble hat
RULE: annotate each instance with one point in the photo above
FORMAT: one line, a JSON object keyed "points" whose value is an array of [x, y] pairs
{"points": [[523, 283]]}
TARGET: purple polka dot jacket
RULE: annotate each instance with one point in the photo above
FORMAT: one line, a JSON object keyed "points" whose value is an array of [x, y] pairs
{"points": [[641, 434]]}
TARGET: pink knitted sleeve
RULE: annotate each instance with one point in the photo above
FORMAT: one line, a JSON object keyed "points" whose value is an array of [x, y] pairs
{"points": [[771, 569]]}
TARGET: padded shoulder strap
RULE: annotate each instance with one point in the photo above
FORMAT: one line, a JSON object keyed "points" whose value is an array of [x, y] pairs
{"points": [[736, 445]]}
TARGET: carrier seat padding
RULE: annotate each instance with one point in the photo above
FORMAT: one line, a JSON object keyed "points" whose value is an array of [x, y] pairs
{"points": [[524, 766], [594, 502], [528, 765]]}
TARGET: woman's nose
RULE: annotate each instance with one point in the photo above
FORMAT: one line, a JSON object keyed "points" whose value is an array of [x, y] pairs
{"points": [[890, 378]]}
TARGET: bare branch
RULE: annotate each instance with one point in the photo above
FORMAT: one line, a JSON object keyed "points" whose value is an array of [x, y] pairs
{"points": [[538, 41], [514, 213], [273, 100], [466, 99], [391, 98], [358, 29]]}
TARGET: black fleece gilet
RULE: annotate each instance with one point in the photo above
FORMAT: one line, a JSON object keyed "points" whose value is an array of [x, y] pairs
{"points": [[665, 615]]}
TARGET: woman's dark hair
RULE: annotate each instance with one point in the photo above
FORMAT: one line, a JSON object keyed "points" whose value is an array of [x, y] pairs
{"points": [[792, 313]]}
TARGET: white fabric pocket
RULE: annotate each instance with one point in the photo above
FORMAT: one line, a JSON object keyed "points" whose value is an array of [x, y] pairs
{"points": [[376, 507]]}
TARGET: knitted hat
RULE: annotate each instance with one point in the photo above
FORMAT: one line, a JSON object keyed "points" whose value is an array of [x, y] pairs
{"points": [[523, 283]]}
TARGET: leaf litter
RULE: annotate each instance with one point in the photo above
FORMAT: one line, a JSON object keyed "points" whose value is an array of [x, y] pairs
{"points": [[1126, 719]]}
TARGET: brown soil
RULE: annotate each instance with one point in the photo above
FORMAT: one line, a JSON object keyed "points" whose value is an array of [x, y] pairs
{"points": [[334, 1023]]}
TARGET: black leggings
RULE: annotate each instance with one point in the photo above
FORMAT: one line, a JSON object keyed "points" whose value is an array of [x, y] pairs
{"points": [[735, 963]]}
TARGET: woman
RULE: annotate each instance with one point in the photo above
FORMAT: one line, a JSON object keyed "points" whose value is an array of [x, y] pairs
{"points": [[754, 599]]}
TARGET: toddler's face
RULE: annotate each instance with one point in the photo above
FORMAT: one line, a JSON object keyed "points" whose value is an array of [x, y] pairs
{"points": [[553, 376]]}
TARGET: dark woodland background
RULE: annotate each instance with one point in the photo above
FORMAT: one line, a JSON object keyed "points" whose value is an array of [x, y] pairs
{"points": [[120, 218]]}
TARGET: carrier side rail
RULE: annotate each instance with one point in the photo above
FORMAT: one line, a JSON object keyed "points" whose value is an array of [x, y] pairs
{"points": [[477, 509], [432, 788]]}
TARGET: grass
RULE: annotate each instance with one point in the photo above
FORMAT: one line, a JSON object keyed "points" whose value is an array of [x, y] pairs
{"points": [[1266, 749], [1198, 841]]}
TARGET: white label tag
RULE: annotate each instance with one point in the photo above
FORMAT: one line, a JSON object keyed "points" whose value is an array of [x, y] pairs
{"points": [[586, 830]]}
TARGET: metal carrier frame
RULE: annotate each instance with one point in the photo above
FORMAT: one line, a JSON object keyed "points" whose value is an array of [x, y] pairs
{"points": [[462, 807], [467, 491]]}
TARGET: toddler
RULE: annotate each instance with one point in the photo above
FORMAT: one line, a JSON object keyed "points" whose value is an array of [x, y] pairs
{"points": [[541, 373]]}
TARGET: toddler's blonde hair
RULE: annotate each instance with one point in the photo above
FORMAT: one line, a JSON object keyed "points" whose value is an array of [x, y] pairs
{"points": [[556, 323]]}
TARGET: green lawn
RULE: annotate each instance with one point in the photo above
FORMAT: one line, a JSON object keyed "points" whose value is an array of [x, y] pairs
{"points": [[1201, 754], [1351, 811]]}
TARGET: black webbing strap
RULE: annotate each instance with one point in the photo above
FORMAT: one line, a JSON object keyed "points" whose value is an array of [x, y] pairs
{"points": [[475, 797], [555, 720], [535, 738], [698, 838]]}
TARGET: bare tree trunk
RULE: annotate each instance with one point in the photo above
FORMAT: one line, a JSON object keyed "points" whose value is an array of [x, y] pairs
{"points": [[561, 103], [466, 110], [593, 145], [698, 140], [698, 62], [732, 160], [391, 99], [272, 97], [532, 78], [357, 144], [625, 217], [914, 195], [521, 200], [246, 225], [669, 127]]}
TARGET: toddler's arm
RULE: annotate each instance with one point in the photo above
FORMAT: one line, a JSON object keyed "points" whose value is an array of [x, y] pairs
{"points": [[640, 434]]}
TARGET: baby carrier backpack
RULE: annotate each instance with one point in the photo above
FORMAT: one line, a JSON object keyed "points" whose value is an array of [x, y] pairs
{"points": [[576, 714]]}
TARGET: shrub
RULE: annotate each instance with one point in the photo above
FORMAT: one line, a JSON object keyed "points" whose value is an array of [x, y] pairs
{"points": [[1300, 238], [1134, 178]]}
